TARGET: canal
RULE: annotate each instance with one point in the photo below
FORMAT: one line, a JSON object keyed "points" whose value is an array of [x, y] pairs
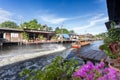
{"points": [[15, 59]]}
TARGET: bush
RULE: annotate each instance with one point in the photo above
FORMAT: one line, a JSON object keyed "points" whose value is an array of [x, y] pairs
{"points": [[114, 34], [59, 69], [41, 37]]}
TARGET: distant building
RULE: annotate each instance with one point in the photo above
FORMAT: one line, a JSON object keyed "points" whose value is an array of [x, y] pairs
{"points": [[74, 37], [86, 37], [63, 36]]}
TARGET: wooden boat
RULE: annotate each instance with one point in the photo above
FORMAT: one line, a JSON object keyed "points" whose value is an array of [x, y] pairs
{"points": [[84, 43], [76, 46]]}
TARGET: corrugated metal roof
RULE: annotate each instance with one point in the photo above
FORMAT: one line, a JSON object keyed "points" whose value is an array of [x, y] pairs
{"points": [[20, 30]]}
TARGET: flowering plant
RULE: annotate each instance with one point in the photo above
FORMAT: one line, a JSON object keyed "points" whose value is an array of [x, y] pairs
{"points": [[111, 45], [96, 72]]}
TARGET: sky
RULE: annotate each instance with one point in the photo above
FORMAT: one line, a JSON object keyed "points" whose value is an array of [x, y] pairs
{"points": [[82, 16]]}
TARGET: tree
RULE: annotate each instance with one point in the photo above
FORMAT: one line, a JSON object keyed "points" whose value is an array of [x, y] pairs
{"points": [[64, 31], [33, 24], [72, 31], [49, 29], [61, 31], [8, 24], [24, 25], [40, 27], [25, 36]]}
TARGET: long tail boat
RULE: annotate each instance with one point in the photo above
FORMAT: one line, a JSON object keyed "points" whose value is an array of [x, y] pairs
{"points": [[76, 45]]}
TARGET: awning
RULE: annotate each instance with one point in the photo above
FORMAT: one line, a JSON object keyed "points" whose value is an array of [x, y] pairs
{"points": [[66, 36]]}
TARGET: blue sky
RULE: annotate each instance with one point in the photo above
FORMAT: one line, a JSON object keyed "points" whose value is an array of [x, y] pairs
{"points": [[82, 16]]}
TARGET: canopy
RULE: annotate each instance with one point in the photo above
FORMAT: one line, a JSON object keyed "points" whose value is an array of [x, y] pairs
{"points": [[66, 36]]}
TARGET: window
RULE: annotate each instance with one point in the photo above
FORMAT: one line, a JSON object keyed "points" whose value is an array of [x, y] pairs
{"points": [[14, 34]]}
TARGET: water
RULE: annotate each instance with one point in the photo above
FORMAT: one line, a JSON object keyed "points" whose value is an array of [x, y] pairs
{"points": [[93, 46], [16, 54], [11, 71]]}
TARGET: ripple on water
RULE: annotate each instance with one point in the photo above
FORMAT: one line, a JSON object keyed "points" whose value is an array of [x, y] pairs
{"points": [[11, 72]]}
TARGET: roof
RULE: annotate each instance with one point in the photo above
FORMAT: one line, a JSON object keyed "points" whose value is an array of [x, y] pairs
{"points": [[65, 36], [113, 7], [10, 30], [38, 31], [26, 30]]}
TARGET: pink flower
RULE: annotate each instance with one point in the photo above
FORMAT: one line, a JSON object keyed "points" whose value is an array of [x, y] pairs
{"points": [[90, 72]]}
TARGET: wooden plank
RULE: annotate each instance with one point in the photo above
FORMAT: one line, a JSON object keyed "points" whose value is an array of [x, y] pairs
{"points": [[93, 56], [103, 56], [87, 53], [99, 57], [84, 54]]}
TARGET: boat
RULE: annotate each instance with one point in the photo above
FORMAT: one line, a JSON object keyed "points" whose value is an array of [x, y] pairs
{"points": [[83, 43], [76, 46]]}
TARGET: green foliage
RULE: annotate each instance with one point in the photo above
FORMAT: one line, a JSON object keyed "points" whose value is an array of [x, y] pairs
{"points": [[49, 28], [59, 69], [106, 49], [24, 25], [41, 37], [62, 31], [54, 37], [8, 24], [65, 31], [72, 31], [57, 30], [101, 35], [107, 39], [25, 36], [33, 24], [114, 34], [112, 24]]}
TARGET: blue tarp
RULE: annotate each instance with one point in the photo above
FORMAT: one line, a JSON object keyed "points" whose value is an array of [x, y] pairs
{"points": [[66, 36]]}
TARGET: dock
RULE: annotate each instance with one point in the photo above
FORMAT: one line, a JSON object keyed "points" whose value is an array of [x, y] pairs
{"points": [[92, 55], [33, 43], [88, 54]]}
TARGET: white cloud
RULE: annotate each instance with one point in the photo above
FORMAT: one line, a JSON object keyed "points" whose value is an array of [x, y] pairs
{"points": [[47, 17], [98, 16], [5, 15], [52, 19], [77, 23], [57, 20], [93, 22], [80, 17]]}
